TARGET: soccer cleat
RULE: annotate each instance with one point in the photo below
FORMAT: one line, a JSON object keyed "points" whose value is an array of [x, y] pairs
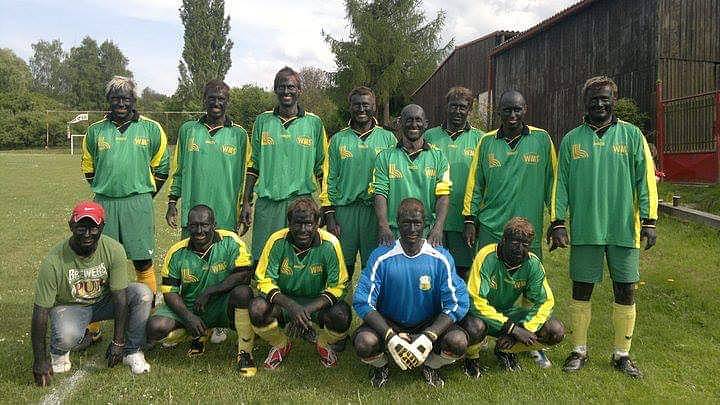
{"points": [[276, 356], [89, 339], [328, 357], [433, 377], [379, 376], [197, 347], [575, 361], [508, 361], [540, 358], [473, 369], [137, 363], [218, 335], [627, 366], [246, 364], [60, 362]]}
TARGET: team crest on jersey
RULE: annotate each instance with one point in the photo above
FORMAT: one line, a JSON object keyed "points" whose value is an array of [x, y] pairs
{"points": [[228, 149], [470, 152], [266, 139], [345, 153], [193, 146], [187, 276], [305, 141], [393, 172], [620, 149], [578, 152], [492, 161], [493, 283], [519, 284], [285, 268], [218, 267], [142, 141], [425, 283], [531, 158], [430, 172], [102, 144], [316, 269]]}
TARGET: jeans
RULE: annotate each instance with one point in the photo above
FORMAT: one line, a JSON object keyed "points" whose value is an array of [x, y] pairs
{"points": [[68, 322]]}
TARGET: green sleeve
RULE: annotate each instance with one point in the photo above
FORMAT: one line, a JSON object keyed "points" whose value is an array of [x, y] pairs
{"points": [[645, 185], [117, 273], [268, 267], [479, 289], [538, 293], [380, 183], [46, 285], [475, 183], [160, 162], [559, 202], [321, 145], [255, 144], [177, 163], [550, 170], [337, 276], [87, 162], [443, 184], [332, 177]]}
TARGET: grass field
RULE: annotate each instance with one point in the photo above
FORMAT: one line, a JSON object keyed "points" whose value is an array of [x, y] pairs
{"points": [[702, 197], [677, 338]]}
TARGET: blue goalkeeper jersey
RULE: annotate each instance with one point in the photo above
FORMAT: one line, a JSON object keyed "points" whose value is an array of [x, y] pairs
{"points": [[411, 290]]}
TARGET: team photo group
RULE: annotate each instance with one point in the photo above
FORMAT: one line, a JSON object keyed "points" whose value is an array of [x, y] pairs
{"points": [[446, 223]]}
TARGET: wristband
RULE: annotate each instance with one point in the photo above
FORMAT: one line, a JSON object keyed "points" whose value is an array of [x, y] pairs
{"points": [[648, 226], [114, 343], [172, 202], [510, 328], [431, 335]]}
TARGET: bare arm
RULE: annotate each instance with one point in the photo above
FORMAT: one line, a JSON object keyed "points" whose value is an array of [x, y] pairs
{"points": [[385, 235], [42, 370], [435, 237], [246, 212]]}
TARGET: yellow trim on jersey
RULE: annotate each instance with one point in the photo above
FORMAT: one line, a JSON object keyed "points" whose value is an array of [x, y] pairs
{"points": [[338, 289], [174, 164], [443, 186], [324, 196], [265, 284], [86, 162], [165, 272], [472, 175], [543, 313], [650, 179], [155, 162], [243, 259], [481, 304], [554, 166]]}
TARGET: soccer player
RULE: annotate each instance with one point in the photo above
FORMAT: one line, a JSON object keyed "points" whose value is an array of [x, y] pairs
{"points": [[289, 148], [202, 285], [209, 163], [302, 278], [125, 160], [347, 206], [458, 141], [410, 298], [411, 169], [501, 273], [512, 174], [84, 279], [606, 180]]}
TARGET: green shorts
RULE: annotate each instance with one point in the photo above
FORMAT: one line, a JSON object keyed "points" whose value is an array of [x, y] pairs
{"points": [[455, 243], [131, 221], [515, 314], [358, 232], [484, 238], [215, 315], [586, 263], [270, 216]]}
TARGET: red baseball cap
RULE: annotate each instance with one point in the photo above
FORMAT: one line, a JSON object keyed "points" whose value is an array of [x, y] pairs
{"points": [[88, 209]]}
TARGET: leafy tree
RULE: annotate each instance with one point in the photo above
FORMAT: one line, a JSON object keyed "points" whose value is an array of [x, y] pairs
{"points": [[247, 102], [151, 100], [14, 72], [46, 66], [627, 110], [206, 53], [316, 98], [392, 49]]}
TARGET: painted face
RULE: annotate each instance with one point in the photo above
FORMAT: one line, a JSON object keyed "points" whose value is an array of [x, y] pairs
{"points": [[457, 112], [303, 226], [287, 91], [599, 104], [216, 102], [86, 234], [413, 123], [512, 111], [122, 104], [201, 226], [362, 108], [410, 226], [515, 249]]}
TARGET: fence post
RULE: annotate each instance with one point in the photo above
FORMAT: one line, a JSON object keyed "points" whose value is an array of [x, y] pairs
{"points": [[660, 124], [717, 134]]}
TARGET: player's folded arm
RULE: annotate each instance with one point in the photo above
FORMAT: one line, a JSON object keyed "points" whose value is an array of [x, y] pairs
{"points": [[170, 285]]}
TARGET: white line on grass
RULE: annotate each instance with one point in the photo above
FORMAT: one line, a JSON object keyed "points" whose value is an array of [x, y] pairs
{"points": [[63, 391]]}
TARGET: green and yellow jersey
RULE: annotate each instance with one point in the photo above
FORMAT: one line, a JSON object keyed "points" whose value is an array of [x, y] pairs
{"points": [[494, 291], [505, 182], [188, 274], [351, 159], [321, 270], [209, 168], [607, 184], [459, 149], [125, 163], [425, 176], [287, 155]]}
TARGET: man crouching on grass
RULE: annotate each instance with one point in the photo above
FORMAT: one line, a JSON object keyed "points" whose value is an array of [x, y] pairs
{"points": [[84, 279]]}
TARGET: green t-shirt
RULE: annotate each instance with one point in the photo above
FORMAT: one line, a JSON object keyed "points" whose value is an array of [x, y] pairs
{"points": [[209, 169], [321, 270], [607, 183], [506, 182], [68, 279], [188, 274], [459, 153], [494, 291], [287, 155], [125, 163], [351, 162]]}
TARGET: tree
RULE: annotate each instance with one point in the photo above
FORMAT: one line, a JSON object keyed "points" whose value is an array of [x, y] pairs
{"points": [[391, 49], [46, 67], [206, 53], [316, 97], [247, 102], [627, 110], [151, 100], [14, 72]]}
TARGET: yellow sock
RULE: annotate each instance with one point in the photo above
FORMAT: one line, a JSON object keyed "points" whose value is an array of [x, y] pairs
{"points": [[244, 330], [272, 334], [473, 351], [580, 314], [147, 277], [327, 337], [624, 324], [94, 327]]}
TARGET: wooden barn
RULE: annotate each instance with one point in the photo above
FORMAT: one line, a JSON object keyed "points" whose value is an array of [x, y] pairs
{"points": [[467, 65]]}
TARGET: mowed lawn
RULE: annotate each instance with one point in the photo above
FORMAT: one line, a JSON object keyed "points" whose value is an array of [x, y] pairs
{"points": [[676, 344]]}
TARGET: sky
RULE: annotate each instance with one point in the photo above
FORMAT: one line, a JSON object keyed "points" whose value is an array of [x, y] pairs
{"points": [[267, 35]]}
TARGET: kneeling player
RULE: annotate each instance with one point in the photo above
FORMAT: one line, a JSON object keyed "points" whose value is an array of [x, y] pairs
{"points": [[500, 274], [202, 287], [410, 298], [302, 277]]}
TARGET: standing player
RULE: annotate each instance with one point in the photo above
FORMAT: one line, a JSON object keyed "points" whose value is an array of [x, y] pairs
{"points": [[202, 286], [502, 273], [125, 160], [346, 203], [209, 163], [410, 299], [411, 169], [606, 180], [458, 141], [302, 278], [289, 148]]}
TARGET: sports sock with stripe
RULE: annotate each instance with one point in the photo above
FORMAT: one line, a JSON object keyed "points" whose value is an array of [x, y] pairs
{"points": [[244, 329], [272, 334], [147, 277], [580, 314], [624, 324]]}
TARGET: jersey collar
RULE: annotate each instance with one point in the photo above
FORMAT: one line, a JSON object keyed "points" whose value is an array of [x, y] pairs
{"points": [[501, 133], [456, 134], [600, 131], [227, 123]]}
